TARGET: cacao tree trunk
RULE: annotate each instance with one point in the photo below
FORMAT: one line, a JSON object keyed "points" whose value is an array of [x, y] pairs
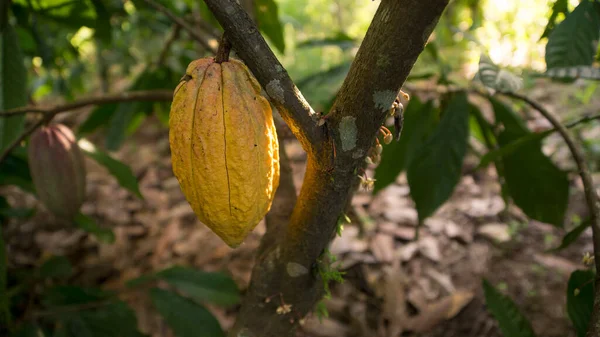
{"points": [[286, 270]]}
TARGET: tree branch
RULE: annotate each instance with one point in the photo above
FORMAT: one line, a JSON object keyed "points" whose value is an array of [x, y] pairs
{"points": [[288, 269], [149, 95], [50, 112], [254, 51], [168, 43], [182, 23], [45, 119], [591, 198]]}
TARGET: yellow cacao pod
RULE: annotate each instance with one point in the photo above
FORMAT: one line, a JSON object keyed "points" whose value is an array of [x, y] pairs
{"points": [[224, 147]]}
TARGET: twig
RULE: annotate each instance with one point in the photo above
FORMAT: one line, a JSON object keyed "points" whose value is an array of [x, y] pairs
{"points": [[168, 43], [254, 50], [49, 113], [47, 118], [148, 95], [177, 20], [224, 50], [590, 195]]}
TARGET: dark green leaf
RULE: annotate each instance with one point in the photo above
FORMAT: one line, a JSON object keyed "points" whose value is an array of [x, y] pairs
{"points": [[56, 267], [419, 121], [559, 6], [512, 323], [99, 117], [573, 41], [71, 14], [14, 170], [103, 28], [436, 168], [121, 121], [202, 286], [573, 235], [117, 169], [6, 211], [89, 225], [267, 18], [21, 213], [64, 295], [126, 116], [321, 88], [580, 299], [13, 86], [186, 318], [485, 130], [532, 138], [340, 40], [536, 185], [106, 320]]}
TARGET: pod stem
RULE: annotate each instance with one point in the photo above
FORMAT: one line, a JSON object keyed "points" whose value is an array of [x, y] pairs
{"points": [[223, 51]]}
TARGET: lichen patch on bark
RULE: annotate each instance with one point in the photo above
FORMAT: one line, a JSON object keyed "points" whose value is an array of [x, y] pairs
{"points": [[348, 133], [383, 99], [295, 269], [275, 91]]}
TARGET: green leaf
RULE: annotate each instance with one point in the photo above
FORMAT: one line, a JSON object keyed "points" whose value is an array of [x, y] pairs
{"points": [[4, 302], [580, 299], [13, 86], [511, 321], [322, 86], [14, 170], [107, 320], [56, 267], [121, 121], [117, 169], [64, 295], [559, 6], [536, 185], [103, 27], [21, 213], [574, 41], [485, 130], [126, 116], [89, 225], [267, 19], [71, 14], [419, 121], [340, 40], [186, 318], [532, 138], [216, 288], [99, 117], [436, 168], [573, 235]]}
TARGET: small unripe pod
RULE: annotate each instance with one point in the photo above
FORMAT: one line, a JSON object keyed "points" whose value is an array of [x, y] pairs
{"points": [[57, 170]]}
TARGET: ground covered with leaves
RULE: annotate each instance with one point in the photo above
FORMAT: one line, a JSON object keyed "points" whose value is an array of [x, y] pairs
{"points": [[393, 283]]}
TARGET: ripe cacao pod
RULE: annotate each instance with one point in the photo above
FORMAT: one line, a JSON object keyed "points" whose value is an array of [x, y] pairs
{"points": [[224, 147], [57, 170]]}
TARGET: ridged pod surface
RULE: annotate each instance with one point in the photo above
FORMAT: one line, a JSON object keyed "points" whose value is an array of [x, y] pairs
{"points": [[57, 170], [224, 147]]}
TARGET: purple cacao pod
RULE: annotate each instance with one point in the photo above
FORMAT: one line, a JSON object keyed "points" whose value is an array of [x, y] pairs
{"points": [[57, 170]]}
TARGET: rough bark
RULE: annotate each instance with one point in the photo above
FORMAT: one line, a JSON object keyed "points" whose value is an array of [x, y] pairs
{"points": [[286, 270], [254, 51]]}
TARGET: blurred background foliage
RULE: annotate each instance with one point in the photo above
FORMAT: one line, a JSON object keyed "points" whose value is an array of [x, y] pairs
{"points": [[76, 48]]}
